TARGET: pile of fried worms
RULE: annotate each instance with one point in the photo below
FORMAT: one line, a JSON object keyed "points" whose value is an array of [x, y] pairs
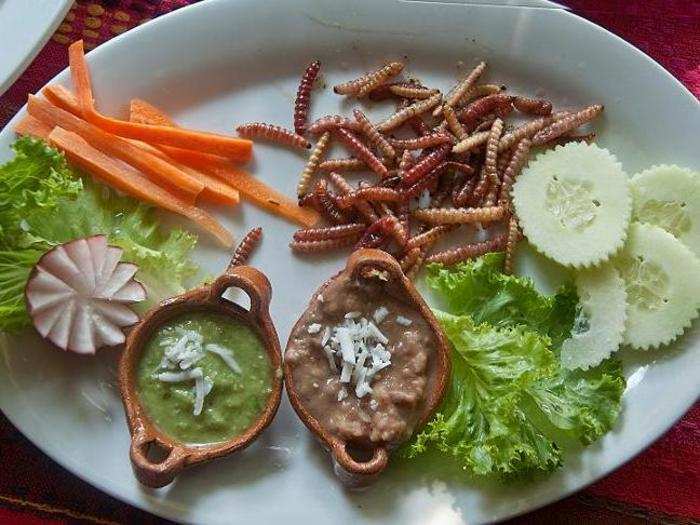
{"points": [[455, 169]]}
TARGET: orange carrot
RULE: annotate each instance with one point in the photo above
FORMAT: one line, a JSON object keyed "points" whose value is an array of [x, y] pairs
{"points": [[230, 147], [158, 170], [130, 181], [252, 189], [33, 128], [144, 113], [215, 190]]}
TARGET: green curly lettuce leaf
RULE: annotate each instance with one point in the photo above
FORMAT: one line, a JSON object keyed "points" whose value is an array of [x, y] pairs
{"points": [[44, 202], [511, 407]]}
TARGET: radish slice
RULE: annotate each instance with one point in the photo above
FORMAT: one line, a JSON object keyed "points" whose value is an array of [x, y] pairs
{"points": [[78, 295]]}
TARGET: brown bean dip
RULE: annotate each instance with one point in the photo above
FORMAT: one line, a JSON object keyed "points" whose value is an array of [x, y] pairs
{"points": [[400, 369]]}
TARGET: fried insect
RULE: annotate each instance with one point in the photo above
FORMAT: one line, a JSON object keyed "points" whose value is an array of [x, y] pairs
{"points": [[411, 258], [532, 106], [312, 164], [413, 271], [460, 215], [372, 194], [453, 124], [278, 134], [491, 159], [468, 251], [375, 138], [330, 232], [430, 236], [322, 246], [412, 92], [361, 86], [327, 204], [303, 100], [362, 152], [470, 115], [425, 165], [401, 116], [423, 183], [528, 130], [566, 124], [459, 166], [424, 141], [331, 122], [245, 247], [471, 142], [388, 227], [364, 208], [406, 162], [419, 126], [481, 90], [566, 139], [464, 193], [459, 90], [512, 238], [347, 164], [517, 161]]}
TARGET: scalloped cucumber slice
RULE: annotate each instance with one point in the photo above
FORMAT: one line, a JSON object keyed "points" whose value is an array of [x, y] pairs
{"points": [[600, 320], [574, 204], [662, 279], [669, 197]]}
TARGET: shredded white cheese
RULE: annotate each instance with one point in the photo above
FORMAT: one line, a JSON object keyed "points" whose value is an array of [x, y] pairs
{"points": [[314, 328], [226, 355], [357, 348], [320, 298], [380, 314], [182, 353], [403, 321]]}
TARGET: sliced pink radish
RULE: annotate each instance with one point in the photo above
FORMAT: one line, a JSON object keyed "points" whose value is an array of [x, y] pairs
{"points": [[78, 295]]}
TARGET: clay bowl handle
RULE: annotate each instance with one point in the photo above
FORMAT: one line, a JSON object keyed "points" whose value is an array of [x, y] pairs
{"points": [[155, 474], [361, 469], [367, 258], [251, 281]]}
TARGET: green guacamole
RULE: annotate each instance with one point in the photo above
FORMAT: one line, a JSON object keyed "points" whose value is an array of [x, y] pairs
{"points": [[235, 400]]}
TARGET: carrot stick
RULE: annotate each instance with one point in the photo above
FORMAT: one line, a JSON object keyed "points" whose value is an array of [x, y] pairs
{"points": [[252, 189], [33, 128], [230, 147], [215, 190], [158, 170], [130, 181], [144, 113]]}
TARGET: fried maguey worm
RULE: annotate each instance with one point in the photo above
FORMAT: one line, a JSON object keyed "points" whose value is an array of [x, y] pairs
{"points": [[566, 124], [517, 161], [245, 248], [375, 138], [355, 145], [512, 237], [361, 86], [401, 116], [303, 99], [273, 133], [468, 251], [460, 215], [532, 106], [312, 164], [329, 232], [458, 91]]}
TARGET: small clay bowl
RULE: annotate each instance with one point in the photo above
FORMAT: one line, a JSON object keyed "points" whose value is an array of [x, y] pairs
{"points": [[376, 264], [206, 299]]}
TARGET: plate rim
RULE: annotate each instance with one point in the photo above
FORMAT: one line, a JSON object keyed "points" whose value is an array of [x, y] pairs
{"points": [[164, 508]]}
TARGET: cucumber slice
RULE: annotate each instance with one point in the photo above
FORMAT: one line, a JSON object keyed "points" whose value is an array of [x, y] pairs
{"points": [[574, 204], [669, 197], [662, 278], [600, 321]]}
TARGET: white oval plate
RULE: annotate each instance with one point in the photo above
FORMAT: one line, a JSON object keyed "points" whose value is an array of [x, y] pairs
{"points": [[24, 29], [220, 63]]}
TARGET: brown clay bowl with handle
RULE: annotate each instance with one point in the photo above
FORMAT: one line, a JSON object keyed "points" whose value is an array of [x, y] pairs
{"points": [[351, 469], [144, 433]]}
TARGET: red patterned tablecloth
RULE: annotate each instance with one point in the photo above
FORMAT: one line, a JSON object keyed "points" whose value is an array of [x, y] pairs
{"points": [[661, 485]]}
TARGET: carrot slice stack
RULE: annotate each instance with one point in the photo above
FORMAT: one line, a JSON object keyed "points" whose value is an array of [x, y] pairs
{"points": [[129, 180], [230, 147], [155, 168], [252, 189]]}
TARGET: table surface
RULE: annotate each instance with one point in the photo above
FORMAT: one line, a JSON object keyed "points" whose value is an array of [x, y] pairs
{"points": [[661, 485]]}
